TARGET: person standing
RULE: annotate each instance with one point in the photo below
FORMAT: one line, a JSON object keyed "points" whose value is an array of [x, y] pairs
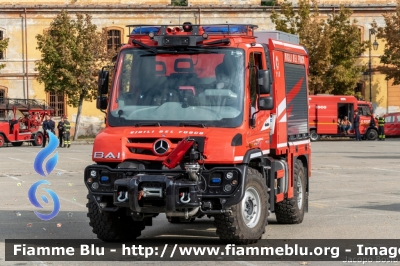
{"points": [[357, 125], [381, 128], [60, 128], [67, 128], [50, 125]]}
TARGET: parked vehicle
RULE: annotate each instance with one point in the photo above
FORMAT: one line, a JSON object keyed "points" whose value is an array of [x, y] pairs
{"points": [[20, 121], [202, 120], [326, 111], [392, 124]]}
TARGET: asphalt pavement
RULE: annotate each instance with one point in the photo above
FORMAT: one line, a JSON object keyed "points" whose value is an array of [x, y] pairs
{"points": [[354, 194]]}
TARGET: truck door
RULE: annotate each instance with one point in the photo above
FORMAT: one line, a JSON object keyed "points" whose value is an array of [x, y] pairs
{"points": [[259, 136], [345, 110], [365, 117], [326, 117]]}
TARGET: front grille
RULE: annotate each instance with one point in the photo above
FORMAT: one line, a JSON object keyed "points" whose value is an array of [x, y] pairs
{"points": [[151, 140], [145, 145]]}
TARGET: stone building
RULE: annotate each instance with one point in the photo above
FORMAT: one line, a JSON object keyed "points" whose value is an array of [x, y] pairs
{"points": [[22, 20]]}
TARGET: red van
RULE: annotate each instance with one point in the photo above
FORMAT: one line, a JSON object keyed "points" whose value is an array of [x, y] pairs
{"points": [[325, 110], [392, 124]]}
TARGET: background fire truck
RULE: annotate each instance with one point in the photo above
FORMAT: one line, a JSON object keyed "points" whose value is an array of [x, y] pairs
{"points": [[325, 110], [202, 120], [21, 119]]}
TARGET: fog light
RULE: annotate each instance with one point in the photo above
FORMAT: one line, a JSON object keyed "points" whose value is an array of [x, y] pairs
{"points": [[93, 173], [227, 188], [103, 204], [229, 175], [90, 180], [95, 185], [234, 182]]}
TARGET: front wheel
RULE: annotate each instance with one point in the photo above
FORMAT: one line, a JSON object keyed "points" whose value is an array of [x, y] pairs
{"points": [[37, 139], [2, 140], [291, 211], [314, 136], [112, 226], [244, 223], [372, 134]]}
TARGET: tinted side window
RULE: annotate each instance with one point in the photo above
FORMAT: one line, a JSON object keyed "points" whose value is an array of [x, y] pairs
{"points": [[389, 119]]}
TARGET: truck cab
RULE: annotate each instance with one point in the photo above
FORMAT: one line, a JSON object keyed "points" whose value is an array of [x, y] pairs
{"points": [[201, 120]]}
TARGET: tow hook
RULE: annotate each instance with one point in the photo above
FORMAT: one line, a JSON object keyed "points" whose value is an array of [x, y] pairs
{"points": [[183, 196], [120, 199]]}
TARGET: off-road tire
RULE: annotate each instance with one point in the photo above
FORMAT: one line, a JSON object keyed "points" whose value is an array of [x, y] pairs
{"points": [[371, 134], [112, 226], [38, 139], [288, 211], [314, 136], [17, 144], [231, 226], [2, 140]]}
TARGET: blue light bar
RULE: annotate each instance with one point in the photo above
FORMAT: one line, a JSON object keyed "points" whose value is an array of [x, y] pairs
{"points": [[145, 30], [225, 29]]}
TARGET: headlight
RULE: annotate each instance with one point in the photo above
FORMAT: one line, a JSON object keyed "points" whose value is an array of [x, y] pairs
{"points": [[229, 175], [95, 185], [93, 173]]}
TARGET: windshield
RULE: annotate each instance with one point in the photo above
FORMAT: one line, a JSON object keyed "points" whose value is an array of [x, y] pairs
{"points": [[195, 86]]}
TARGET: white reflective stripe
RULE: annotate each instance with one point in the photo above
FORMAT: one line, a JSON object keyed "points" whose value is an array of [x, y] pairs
{"points": [[289, 45], [257, 154], [299, 142], [238, 158], [266, 124], [265, 151], [283, 119], [257, 45], [281, 107], [280, 145]]}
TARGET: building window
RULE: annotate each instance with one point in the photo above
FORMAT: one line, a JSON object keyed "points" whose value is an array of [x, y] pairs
{"points": [[179, 2], [1, 38], [114, 39], [57, 101], [2, 97]]}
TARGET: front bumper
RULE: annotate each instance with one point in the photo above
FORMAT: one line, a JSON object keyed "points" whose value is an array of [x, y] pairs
{"points": [[163, 191]]}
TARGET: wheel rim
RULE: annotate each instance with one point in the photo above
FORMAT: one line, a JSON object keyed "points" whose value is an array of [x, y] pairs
{"points": [[299, 188], [39, 139], [314, 135], [251, 207], [1, 140]]}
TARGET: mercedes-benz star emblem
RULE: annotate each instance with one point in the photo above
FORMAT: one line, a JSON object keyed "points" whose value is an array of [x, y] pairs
{"points": [[161, 146]]}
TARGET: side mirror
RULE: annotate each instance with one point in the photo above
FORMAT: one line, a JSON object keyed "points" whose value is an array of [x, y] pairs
{"points": [[266, 103], [264, 82], [101, 102], [102, 82]]}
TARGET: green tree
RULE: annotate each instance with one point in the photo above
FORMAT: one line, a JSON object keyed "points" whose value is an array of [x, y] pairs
{"points": [[391, 55], [72, 53], [333, 45], [3, 47]]}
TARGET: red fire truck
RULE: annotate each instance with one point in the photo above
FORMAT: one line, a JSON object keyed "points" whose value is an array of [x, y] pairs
{"points": [[326, 111], [20, 121], [202, 120]]}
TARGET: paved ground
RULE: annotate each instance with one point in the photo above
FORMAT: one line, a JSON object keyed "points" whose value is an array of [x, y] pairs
{"points": [[355, 194]]}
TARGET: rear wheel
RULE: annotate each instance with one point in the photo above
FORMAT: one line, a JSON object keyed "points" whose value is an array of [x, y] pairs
{"points": [[112, 226], [371, 134], [38, 139], [291, 211], [17, 144], [2, 140], [314, 136], [245, 222]]}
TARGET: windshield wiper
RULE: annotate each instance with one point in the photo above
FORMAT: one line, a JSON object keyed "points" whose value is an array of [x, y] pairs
{"points": [[191, 125], [182, 52], [150, 124], [145, 46]]}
